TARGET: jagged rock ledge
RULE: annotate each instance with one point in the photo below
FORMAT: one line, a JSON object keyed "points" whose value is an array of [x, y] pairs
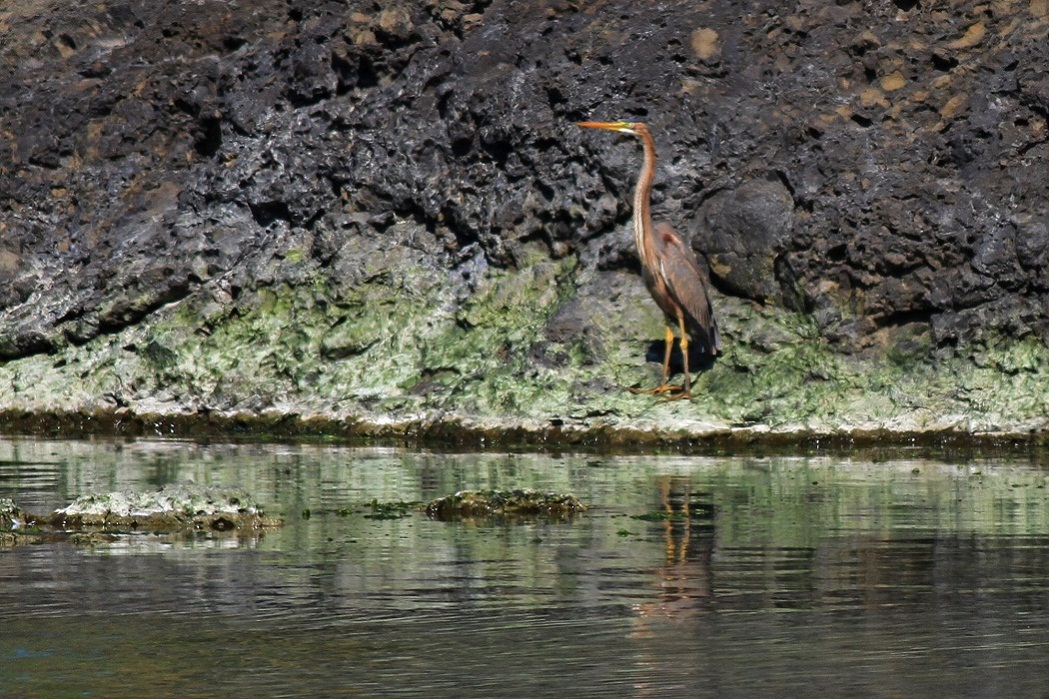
{"points": [[456, 433]]}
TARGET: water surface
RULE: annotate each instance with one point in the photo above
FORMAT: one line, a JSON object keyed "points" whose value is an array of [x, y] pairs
{"points": [[815, 576]]}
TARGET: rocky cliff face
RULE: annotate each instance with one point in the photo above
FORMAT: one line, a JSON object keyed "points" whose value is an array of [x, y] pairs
{"points": [[383, 213]]}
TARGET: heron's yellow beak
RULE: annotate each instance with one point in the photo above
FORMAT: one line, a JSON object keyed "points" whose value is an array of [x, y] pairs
{"points": [[623, 126]]}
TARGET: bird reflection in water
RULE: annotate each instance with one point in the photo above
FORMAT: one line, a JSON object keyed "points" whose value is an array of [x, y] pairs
{"points": [[683, 580]]}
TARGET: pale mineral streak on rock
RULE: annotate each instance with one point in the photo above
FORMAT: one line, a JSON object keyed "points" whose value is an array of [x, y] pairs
{"points": [[172, 507]]}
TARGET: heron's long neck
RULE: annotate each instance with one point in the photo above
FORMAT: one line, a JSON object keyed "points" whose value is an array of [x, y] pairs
{"points": [[642, 209]]}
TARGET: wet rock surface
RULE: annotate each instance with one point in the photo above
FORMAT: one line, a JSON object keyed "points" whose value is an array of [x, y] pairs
{"points": [[381, 213], [173, 510], [11, 515]]}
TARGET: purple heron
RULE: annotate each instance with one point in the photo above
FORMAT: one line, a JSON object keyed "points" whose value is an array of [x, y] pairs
{"points": [[670, 269]]}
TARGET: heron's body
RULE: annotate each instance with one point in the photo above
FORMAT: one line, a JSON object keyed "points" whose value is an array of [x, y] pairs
{"points": [[669, 267]]}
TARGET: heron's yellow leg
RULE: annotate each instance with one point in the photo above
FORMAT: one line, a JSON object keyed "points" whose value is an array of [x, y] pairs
{"points": [[666, 356], [663, 387], [687, 392]]}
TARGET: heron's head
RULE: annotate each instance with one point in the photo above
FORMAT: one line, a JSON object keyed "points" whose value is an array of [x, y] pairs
{"points": [[631, 127]]}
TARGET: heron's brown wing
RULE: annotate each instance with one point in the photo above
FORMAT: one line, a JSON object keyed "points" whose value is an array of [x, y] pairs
{"points": [[684, 281]]}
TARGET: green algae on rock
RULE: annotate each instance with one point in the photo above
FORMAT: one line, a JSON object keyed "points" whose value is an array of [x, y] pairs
{"points": [[387, 510]]}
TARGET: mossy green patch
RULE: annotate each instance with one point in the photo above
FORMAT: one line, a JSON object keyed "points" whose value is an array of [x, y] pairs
{"points": [[545, 346], [391, 510]]}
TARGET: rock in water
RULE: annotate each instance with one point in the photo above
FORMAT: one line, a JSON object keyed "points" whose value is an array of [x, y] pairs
{"points": [[504, 505]]}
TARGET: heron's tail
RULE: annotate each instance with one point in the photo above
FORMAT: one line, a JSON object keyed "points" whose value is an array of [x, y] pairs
{"points": [[705, 340]]}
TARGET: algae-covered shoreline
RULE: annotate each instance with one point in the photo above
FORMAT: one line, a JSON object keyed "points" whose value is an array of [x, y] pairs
{"points": [[422, 377]]}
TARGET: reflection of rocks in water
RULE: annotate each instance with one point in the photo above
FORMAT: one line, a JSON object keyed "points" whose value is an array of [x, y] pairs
{"points": [[504, 505], [174, 509]]}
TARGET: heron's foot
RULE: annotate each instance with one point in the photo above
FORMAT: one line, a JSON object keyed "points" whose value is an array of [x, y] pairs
{"points": [[672, 391], [682, 395]]}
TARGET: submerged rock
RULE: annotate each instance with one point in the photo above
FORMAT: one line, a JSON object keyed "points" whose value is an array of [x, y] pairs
{"points": [[11, 516], [391, 510], [504, 505], [174, 508]]}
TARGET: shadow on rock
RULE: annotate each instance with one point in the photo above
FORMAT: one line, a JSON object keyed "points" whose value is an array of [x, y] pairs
{"points": [[698, 359]]}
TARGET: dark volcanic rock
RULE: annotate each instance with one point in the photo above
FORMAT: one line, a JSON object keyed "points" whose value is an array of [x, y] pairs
{"points": [[354, 167], [747, 229]]}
